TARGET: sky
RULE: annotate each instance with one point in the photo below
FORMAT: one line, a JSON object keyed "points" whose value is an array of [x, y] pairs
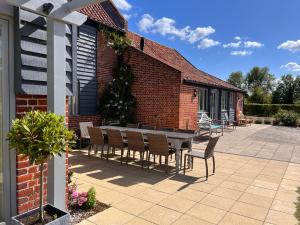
{"points": [[222, 36]]}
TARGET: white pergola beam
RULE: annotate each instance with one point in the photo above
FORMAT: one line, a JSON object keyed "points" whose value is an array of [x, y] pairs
{"points": [[62, 11]]}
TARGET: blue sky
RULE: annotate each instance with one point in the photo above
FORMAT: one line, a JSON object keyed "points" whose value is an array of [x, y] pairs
{"points": [[222, 36]]}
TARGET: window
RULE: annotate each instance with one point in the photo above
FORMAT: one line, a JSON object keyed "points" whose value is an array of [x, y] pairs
{"points": [[224, 100], [232, 100], [203, 99]]}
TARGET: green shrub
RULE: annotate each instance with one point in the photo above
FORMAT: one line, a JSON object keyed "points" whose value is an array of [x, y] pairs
{"points": [[258, 121], [287, 118], [91, 201], [268, 110]]}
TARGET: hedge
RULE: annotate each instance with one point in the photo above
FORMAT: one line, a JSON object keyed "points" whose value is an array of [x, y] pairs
{"points": [[268, 110]]}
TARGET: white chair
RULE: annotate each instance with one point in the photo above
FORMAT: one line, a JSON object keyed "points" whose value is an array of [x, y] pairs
{"points": [[206, 123], [229, 122]]}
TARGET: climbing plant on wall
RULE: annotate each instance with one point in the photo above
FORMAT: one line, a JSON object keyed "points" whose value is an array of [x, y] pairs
{"points": [[117, 103]]}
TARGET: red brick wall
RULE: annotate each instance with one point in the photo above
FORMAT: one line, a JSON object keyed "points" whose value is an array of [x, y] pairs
{"points": [[28, 175], [188, 108], [156, 88]]}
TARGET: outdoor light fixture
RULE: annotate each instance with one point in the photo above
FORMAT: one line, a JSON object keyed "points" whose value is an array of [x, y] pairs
{"points": [[47, 8], [195, 92]]}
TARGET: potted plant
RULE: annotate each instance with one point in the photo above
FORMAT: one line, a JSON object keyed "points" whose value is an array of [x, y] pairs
{"points": [[40, 136]]}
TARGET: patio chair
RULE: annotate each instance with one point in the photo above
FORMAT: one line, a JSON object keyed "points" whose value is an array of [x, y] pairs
{"points": [[147, 127], [229, 122], [136, 144], [206, 154], [167, 129], [84, 133], [158, 145], [243, 120], [115, 140], [133, 125], [206, 123], [96, 140]]}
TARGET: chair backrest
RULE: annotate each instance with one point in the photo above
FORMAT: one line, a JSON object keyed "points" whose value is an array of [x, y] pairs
{"points": [[167, 129], [96, 136], [210, 148], [147, 127], [135, 141], [185, 131], [226, 116], [205, 121], [133, 125], [158, 144], [115, 138], [83, 128], [242, 116]]}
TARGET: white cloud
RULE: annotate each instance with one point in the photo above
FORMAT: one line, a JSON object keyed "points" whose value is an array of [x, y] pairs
{"points": [[253, 44], [291, 66], [122, 5], [237, 38], [127, 16], [208, 43], [241, 53], [233, 45], [292, 46], [167, 26]]}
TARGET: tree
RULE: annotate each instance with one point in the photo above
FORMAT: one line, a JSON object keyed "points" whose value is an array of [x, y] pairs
{"points": [[236, 79], [260, 77], [40, 136], [260, 96], [287, 91]]}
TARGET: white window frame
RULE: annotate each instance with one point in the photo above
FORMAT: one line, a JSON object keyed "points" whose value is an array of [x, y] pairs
{"points": [[202, 99]]}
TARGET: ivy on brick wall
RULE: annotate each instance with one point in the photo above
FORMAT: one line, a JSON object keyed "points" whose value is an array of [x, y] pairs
{"points": [[117, 103]]}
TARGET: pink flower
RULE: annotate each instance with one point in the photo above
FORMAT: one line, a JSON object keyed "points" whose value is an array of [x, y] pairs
{"points": [[75, 194], [84, 194], [81, 201]]}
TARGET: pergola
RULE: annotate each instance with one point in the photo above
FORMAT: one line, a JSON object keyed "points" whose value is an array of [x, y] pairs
{"points": [[58, 13]]}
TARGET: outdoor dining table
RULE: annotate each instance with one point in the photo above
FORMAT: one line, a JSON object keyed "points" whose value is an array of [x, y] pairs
{"points": [[174, 138]]}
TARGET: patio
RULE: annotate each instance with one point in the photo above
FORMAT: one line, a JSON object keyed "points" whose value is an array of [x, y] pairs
{"points": [[245, 190]]}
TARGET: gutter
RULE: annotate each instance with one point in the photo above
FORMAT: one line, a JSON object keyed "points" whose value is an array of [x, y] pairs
{"points": [[201, 84]]}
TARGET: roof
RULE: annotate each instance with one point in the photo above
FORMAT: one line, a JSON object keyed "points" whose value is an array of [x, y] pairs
{"points": [[174, 59], [105, 13]]}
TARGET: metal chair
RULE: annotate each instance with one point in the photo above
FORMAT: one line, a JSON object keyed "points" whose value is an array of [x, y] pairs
{"points": [[136, 144], [115, 140], [208, 153], [147, 127], [84, 133], [229, 122], [158, 145], [206, 123], [96, 140]]}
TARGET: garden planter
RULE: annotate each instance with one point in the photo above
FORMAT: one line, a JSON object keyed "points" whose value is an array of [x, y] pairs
{"points": [[62, 218]]}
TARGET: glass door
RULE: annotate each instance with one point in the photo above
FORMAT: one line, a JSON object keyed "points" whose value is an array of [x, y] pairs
{"points": [[3, 72], [214, 104]]}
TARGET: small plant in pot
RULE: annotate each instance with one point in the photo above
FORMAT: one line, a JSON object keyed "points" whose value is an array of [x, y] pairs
{"points": [[40, 136]]}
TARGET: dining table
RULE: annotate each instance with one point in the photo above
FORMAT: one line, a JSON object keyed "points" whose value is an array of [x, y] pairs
{"points": [[174, 138]]}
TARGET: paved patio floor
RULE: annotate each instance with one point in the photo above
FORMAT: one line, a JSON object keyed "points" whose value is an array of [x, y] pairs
{"points": [[245, 190]]}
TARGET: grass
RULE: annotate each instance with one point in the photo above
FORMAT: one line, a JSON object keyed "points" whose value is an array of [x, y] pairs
{"points": [[297, 213]]}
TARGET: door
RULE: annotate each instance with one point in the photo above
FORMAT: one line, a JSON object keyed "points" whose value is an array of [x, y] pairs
{"points": [[214, 104], [3, 75]]}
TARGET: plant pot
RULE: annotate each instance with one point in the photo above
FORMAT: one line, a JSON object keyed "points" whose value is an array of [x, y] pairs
{"points": [[63, 217]]}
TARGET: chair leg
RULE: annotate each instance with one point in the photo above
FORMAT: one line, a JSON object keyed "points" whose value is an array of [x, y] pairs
{"points": [[102, 150], [185, 156], [142, 158], [148, 160], [167, 163], [214, 166], [90, 149], [127, 156], [122, 151], [154, 158], [206, 166], [181, 157], [107, 154], [96, 150], [160, 160], [192, 163]]}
